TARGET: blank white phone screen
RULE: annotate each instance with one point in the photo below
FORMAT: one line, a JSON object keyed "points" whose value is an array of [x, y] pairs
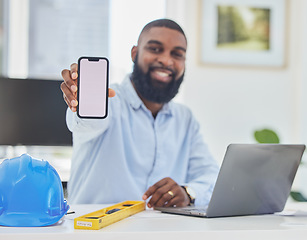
{"points": [[93, 87]]}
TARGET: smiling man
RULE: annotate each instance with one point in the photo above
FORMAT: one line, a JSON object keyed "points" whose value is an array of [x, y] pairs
{"points": [[148, 147], [160, 64]]}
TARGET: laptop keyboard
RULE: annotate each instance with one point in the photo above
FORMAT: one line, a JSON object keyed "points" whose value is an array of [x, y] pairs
{"points": [[193, 210]]}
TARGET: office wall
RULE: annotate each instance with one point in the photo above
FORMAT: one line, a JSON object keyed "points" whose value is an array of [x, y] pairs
{"points": [[231, 102]]}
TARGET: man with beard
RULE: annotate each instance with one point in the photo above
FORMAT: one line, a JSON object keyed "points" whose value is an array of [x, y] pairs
{"points": [[148, 147]]}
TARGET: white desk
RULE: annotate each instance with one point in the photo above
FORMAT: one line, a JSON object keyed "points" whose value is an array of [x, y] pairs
{"points": [[151, 224]]}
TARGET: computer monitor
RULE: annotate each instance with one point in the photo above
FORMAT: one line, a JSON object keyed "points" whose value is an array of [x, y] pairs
{"points": [[32, 112]]}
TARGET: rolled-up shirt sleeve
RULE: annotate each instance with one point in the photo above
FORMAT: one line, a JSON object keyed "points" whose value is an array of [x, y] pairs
{"points": [[86, 129]]}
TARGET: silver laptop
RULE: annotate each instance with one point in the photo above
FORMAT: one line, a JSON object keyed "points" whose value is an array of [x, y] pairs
{"points": [[253, 179]]}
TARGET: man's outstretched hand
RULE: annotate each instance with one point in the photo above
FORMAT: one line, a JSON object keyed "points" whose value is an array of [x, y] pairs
{"points": [[70, 86]]}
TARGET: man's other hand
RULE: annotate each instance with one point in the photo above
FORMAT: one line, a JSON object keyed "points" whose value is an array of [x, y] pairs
{"points": [[166, 193]]}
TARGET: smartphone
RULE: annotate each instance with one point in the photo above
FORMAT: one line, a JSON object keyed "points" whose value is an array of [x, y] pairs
{"points": [[93, 85]]}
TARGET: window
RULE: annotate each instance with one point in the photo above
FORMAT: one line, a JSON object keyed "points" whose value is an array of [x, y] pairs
{"points": [[1, 36], [46, 36]]}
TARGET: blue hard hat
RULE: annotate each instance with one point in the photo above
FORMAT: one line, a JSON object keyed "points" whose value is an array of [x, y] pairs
{"points": [[31, 193]]}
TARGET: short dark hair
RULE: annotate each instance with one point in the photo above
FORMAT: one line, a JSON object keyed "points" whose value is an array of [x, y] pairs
{"points": [[163, 22]]}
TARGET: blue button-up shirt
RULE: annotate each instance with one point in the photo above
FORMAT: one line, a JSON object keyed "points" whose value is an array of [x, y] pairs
{"points": [[120, 157]]}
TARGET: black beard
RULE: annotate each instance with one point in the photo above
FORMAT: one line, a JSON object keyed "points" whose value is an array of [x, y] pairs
{"points": [[151, 89]]}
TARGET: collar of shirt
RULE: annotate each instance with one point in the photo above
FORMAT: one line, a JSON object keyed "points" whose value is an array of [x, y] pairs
{"points": [[136, 102]]}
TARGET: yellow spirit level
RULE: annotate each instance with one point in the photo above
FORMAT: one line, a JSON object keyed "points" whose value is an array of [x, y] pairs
{"points": [[106, 216]]}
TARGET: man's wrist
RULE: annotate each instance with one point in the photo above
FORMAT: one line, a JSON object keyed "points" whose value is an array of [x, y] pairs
{"points": [[191, 194]]}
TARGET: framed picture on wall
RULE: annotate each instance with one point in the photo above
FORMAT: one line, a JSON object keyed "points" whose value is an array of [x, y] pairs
{"points": [[243, 32]]}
